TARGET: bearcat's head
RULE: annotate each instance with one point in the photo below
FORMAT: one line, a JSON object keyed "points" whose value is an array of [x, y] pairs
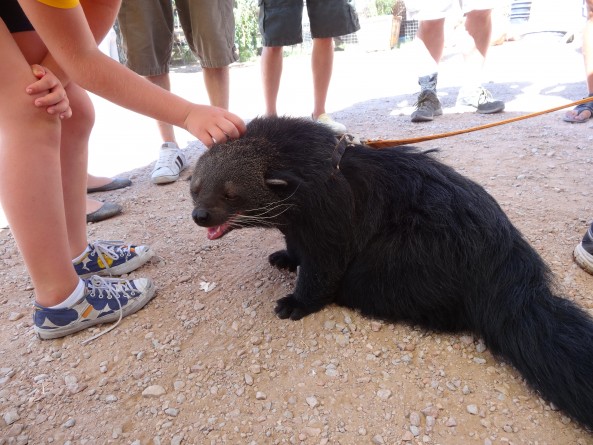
{"points": [[254, 181]]}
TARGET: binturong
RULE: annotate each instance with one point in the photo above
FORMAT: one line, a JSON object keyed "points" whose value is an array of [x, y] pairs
{"points": [[399, 236]]}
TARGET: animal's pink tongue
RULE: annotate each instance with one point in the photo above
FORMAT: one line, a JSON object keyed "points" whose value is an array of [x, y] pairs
{"points": [[218, 231]]}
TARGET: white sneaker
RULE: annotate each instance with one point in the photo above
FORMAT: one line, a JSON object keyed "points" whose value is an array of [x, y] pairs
{"points": [[327, 120], [171, 162]]}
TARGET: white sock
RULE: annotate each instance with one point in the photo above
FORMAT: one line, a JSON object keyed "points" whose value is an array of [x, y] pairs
{"points": [[73, 298], [84, 252]]}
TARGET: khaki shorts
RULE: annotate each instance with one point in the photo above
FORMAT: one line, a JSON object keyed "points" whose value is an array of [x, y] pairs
{"points": [[146, 28], [280, 21], [439, 9]]}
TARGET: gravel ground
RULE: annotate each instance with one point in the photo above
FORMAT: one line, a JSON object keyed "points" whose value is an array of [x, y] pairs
{"points": [[207, 361]]}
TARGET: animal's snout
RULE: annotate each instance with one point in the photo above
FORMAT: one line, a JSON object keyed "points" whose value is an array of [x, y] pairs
{"points": [[200, 216]]}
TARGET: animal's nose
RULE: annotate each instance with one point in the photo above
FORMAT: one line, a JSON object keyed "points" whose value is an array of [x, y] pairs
{"points": [[200, 216]]}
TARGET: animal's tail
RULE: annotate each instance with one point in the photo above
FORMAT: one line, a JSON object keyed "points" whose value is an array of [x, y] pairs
{"points": [[547, 338]]}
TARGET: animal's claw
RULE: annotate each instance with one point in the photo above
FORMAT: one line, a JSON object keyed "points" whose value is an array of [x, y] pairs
{"points": [[290, 307]]}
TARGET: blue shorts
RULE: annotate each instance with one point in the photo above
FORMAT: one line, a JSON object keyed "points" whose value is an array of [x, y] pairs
{"points": [[280, 21]]}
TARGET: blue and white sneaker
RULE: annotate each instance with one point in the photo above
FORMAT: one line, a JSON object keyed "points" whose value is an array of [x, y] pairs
{"points": [[111, 258], [583, 252], [105, 300], [170, 164]]}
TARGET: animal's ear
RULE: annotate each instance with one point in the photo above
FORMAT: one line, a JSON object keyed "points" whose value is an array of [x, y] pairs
{"points": [[280, 179]]}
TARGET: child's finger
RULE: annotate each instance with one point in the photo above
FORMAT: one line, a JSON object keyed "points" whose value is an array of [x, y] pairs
{"points": [[38, 71], [43, 84], [50, 99]]}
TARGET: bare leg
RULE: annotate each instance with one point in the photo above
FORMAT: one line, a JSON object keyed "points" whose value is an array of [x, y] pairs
{"points": [[271, 69], [582, 113], [30, 150], [588, 46], [432, 34], [166, 130], [217, 86], [76, 132], [479, 26], [322, 60]]}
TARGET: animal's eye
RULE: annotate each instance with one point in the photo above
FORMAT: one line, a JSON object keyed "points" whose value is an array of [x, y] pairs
{"points": [[230, 196]]}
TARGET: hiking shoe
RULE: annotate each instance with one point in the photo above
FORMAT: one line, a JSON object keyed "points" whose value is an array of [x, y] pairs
{"points": [[427, 106], [105, 300], [327, 120], [583, 252], [481, 99], [171, 162], [111, 258]]}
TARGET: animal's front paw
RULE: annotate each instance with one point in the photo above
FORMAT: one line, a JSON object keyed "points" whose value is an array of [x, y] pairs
{"points": [[282, 260], [290, 307]]}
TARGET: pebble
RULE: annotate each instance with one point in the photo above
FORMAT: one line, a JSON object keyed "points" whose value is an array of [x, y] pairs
{"points": [[173, 412], [312, 401], [14, 316], [11, 416], [378, 440], [472, 409], [154, 391], [384, 394], [69, 423]]}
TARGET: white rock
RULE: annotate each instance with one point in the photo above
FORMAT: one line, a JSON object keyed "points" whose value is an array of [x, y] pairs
{"points": [[154, 391]]}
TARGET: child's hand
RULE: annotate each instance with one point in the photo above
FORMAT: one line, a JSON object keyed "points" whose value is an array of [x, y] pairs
{"points": [[55, 99], [213, 125]]}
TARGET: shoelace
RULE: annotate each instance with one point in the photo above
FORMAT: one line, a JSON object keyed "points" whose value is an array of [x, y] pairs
{"points": [[423, 97], [110, 287], [485, 96], [110, 249]]}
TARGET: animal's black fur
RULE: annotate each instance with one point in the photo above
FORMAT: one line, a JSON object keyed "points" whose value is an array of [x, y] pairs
{"points": [[399, 236]]}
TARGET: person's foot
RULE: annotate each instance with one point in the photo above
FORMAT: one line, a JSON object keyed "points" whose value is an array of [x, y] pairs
{"points": [[98, 211], [170, 164], [583, 252], [104, 184], [105, 300], [428, 106], [581, 113], [479, 98], [327, 120], [111, 258]]}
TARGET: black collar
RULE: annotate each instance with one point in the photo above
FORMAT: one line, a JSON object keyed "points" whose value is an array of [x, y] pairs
{"points": [[345, 141]]}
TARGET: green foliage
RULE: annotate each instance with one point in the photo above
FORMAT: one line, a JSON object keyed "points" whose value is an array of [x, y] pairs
{"points": [[247, 36], [385, 7]]}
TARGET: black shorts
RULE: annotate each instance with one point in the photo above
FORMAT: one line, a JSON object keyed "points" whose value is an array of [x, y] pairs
{"points": [[13, 16]]}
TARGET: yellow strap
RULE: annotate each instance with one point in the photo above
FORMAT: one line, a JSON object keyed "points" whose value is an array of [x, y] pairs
{"points": [[384, 143], [63, 4]]}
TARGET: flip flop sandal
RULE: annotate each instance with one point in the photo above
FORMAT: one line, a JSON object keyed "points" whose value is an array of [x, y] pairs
{"points": [[107, 210], [588, 106], [116, 183]]}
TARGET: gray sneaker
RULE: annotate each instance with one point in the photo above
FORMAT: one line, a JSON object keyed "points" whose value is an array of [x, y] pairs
{"points": [[481, 99], [428, 106]]}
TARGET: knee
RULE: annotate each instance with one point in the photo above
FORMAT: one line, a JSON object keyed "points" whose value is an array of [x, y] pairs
{"points": [[83, 112], [478, 22]]}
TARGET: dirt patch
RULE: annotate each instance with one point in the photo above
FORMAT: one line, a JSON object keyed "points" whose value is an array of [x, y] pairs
{"points": [[233, 373]]}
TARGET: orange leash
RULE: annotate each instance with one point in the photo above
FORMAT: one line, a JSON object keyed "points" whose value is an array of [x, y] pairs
{"points": [[383, 143]]}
